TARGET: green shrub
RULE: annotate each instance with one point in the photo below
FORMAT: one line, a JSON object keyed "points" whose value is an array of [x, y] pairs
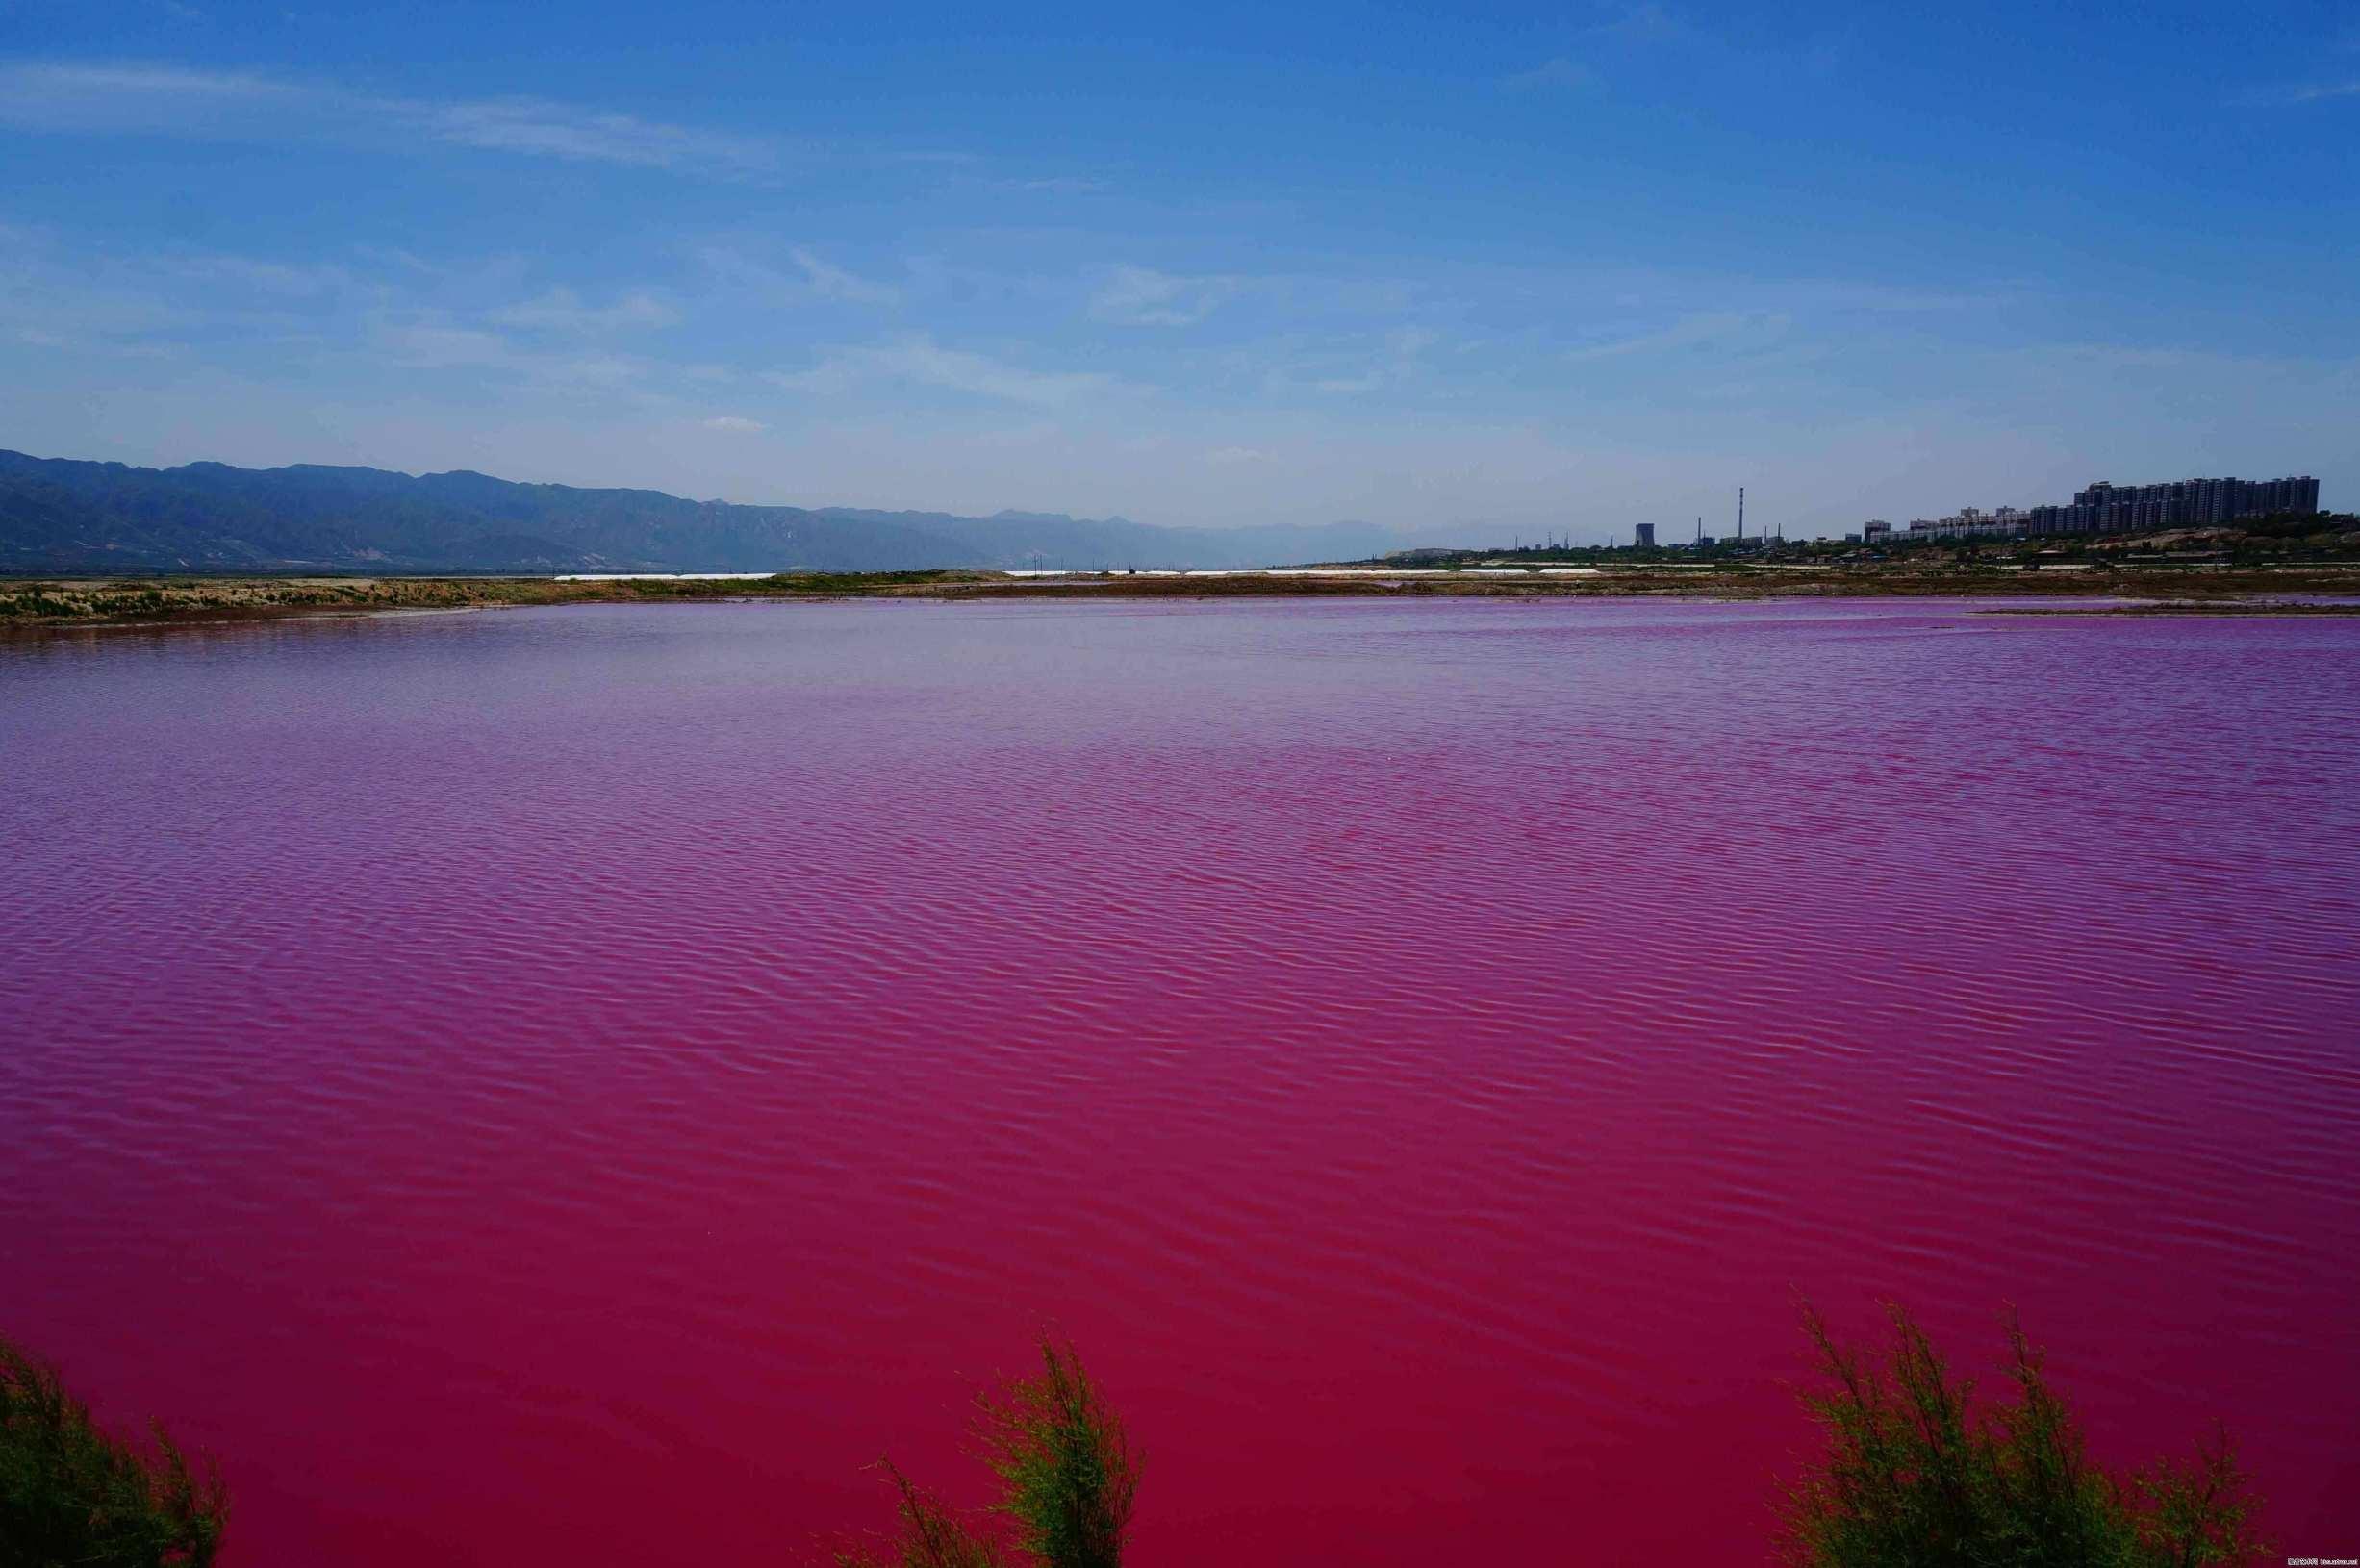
{"points": [[1067, 1476], [927, 1534], [72, 1494], [1916, 1476], [1066, 1469]]}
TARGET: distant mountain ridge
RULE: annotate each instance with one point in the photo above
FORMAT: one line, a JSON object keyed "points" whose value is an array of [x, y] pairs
{"points": [[59, 514]]}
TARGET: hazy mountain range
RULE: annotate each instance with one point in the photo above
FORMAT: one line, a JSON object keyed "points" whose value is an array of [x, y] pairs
{"points": [[59, 515]]}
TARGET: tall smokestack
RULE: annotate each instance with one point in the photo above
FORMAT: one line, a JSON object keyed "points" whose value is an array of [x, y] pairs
{"points": [[1740, 514]]}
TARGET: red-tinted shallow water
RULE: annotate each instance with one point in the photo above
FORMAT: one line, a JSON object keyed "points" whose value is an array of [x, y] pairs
{"points": [[577, 1085]]}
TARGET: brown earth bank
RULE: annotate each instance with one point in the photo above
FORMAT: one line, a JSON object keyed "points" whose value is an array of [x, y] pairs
{"points": [[27, 603]]}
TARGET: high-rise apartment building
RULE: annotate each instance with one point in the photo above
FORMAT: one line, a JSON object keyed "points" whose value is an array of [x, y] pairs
{"points": [[2104, 508]]}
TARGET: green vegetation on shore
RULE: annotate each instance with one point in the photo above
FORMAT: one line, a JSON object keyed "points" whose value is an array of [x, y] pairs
{"points": [[26, 601], [1916, 1473], [2248, 585], [1913, 1473], [73, 1493], [1067, 1474]]}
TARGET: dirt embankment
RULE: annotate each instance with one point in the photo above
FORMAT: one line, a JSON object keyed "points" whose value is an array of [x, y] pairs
{"points": [[49, 602]]}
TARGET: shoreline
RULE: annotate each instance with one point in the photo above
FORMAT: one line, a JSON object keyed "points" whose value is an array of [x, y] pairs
{"points": [[49, 603]]}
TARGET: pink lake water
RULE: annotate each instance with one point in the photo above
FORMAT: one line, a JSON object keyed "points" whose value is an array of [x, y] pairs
{"points": [[577, 1085]]}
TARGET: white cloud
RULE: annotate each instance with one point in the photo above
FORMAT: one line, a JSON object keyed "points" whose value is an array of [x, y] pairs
{"points": [[1061, 184], [408, 261], [532, 126], [1401, 351], [1633, 27], [820, 279], [148, 353], [1732, 331], [99, 97], [433, 346], [919, 360], [431, 343], [65, 96], [1646, 23], [1556, 73], [2313, 92], [832, 282], [56, 300], [259, 276], [562, 311], [1141, 296]]}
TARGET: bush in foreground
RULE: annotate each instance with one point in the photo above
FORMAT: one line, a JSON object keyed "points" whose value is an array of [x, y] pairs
{"points": [[72, 1494], [1916, 1473], [1067, 1476]]}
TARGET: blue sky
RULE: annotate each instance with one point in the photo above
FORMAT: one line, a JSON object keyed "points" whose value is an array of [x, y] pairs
{"points": [[1516, 271]]}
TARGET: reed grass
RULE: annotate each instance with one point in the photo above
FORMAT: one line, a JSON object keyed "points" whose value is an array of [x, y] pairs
{"points": [[1068, 1476], [73, 1493], [1918, 1474]]}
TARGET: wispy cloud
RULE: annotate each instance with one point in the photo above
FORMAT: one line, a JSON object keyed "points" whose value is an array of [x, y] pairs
{"points": [[832, 282], [917, 359], [561, 310], [537, 128], [40, 96], [1062, 185], [156, 301], [1559, 71], [2234, 368], [1646, 23], [434, 345], [51, 310], [812, 278], [1634, 34], [735, 424], [2311, 92], [1734, 330], [1402, 351], [430, 341], [259, 276], [163, 99], [1141, 296], [1630, 28]]}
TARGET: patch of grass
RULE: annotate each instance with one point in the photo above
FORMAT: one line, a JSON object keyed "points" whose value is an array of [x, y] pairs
{"points": [[1917, 1472], [73, 1493]]}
